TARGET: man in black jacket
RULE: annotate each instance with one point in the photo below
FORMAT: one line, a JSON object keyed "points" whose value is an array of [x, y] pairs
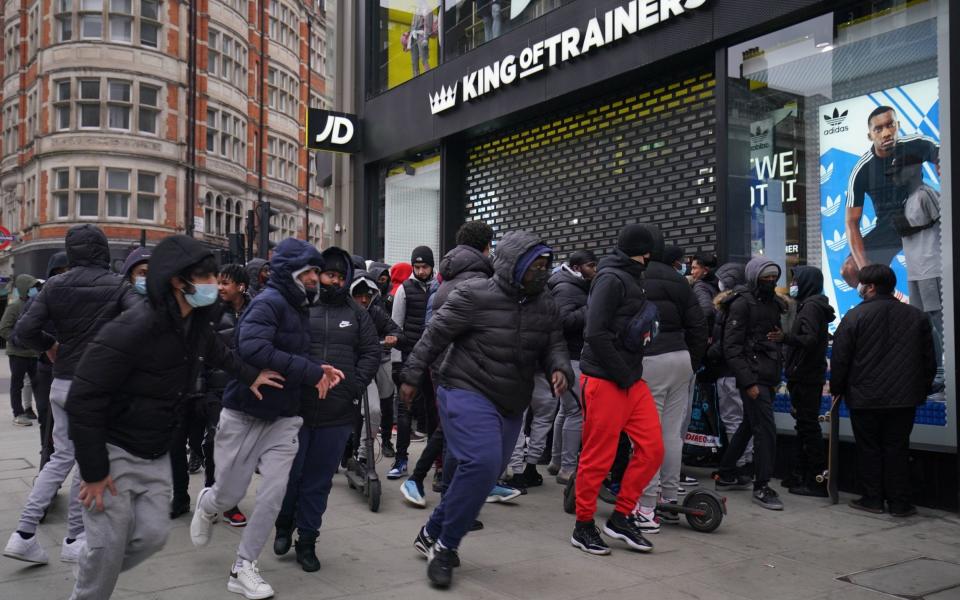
{"points": [[343, 335], [883, 366], [705, 283], [755, 359], [669, 363], [123, 407], [806, 369], [410, 313], [75, 305], [500, 332], [615, 398], [570, 286], [386, 388]]}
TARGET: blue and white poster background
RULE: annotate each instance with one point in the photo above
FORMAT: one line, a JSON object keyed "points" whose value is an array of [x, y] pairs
{"points": [[918, 109]]}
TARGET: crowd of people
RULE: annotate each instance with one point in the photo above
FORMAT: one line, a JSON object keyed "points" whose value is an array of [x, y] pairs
{"points": [[501, 361]]}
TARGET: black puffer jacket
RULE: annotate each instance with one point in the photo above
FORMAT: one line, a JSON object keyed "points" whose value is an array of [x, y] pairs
{"points": [[805, 359], [499, 338], [253, 268], [750, 317], [224, 323], [131, 382], [570, 291], [706, 289], [416, 296], [616, 295], [463, 263], [343, 335], [682, 324], [78, 303], [732, 276], [378, 313], [883, 355]]}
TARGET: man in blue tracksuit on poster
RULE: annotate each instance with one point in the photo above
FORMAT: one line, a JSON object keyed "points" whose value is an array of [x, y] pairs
{"points": [[500, 333]]}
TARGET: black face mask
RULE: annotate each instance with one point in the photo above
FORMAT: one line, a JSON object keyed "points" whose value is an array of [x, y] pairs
{"points": [[329, 293], [537, 284], [767, 288], [384, 287]]}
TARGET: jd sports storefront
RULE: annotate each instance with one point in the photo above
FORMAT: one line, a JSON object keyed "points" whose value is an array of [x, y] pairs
{"points": [[737, 126]]}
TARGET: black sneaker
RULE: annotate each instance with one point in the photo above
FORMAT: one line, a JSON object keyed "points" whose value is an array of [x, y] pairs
{"points": [[740, 482], [516, 481], [902, 510], [195, 464], [179, 506], [424, 542], [814, 490], [438, 481], [767, 498], [867, 505], [532, 477], [307, 556], [623, 528], [283, 541], [388, 450], [30, 414], [587, 538], [440, 564]]}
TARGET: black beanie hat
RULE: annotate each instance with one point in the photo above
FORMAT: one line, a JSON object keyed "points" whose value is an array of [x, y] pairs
{"points": [[637, 239], [671, 254], [336, 262], [422, 254]]}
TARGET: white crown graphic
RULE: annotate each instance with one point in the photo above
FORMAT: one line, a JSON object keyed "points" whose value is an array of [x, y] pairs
{"points": [[826, 173], [838, 241], [445, 99], [833, 205]]}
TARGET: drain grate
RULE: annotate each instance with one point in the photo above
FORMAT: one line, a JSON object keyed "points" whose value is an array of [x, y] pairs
{"points": [[915, 579]]}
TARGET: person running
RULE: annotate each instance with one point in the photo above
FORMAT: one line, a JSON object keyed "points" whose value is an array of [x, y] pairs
{"points": [[410, 313], [805, 365], [123, 404], [570, 286], [343, 335], [23, 361], [273, 333], [754, 356], [615, 397], [75, 305], [499, 331]]}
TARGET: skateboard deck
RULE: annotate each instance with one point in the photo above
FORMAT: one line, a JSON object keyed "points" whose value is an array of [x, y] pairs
{"points": [[831, 476]]}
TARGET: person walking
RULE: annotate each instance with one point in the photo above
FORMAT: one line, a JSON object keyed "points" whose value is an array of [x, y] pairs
{"points": [[805, 365], [883, 366], [273, 334], [498, 332], [756, 361], [615, 398], [126, 392], [23, 361]]}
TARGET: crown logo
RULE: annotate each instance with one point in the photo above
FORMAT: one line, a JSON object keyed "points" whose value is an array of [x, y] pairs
{"points": [[837, 118], [443, 100]]}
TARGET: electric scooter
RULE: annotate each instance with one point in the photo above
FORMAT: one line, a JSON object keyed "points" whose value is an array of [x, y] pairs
{"points": [[362, 476]]}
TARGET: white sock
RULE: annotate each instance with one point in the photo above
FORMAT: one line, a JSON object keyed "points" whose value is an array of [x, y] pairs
{"points": [[238, 564]]}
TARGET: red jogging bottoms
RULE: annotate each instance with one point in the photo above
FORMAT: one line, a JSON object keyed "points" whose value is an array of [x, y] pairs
{"points": [[607, 410]]}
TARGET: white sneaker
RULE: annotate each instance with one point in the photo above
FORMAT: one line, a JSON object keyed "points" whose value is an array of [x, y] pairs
{"points": [[247, 581], [647, 522], [26, 550], [202, 523], [70, 553]]}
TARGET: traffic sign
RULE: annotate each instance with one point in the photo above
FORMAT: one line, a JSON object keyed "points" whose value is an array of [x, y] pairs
{"points": [[6, 238]]}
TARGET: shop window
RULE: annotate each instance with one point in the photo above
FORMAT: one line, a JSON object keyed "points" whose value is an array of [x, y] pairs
{"points": [[409, 40], [833, 151], [411, 206]]}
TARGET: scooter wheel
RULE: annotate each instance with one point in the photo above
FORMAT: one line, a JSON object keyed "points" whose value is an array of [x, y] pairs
{"points": [[374, 498], [712, 512], [570, 495]]}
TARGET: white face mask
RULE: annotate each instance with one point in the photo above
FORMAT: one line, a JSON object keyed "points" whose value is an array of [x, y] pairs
{"points": [[722, 287], [862, 290]]}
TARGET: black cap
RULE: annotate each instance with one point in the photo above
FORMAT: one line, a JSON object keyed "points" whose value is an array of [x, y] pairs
{"points": [[638, 239], [336, 262], [422, 254]]}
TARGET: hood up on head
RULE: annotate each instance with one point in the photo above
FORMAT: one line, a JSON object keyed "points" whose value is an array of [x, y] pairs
{"points": [[23, 283], [253, 267], [290, 256], [516, 251], [87, 247], [334, 254], [171, 256], [361, 278], [731, 275], [58, 260], [139, 255], [564, 274], [809, 281], [755, 267], [462, 259], [399, 273]]}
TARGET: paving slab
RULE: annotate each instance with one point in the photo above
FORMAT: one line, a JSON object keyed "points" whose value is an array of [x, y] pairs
{"points": [[909, 579]]}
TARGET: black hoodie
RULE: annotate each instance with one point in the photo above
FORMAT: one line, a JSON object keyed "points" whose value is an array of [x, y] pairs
{"points": [[806, 343], [78, 303], [460, 264], [570, 291], [496, 334], [129, 386]]}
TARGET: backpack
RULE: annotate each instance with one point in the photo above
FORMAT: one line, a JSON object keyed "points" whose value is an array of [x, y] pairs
{"points": [[643, 327]]}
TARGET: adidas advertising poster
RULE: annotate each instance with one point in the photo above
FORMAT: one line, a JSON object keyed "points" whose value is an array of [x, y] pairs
{"points": [[886, 210], [845, 154]]}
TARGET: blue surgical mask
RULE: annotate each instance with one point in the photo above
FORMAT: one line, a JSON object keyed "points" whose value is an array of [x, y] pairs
{"points": [[140, 285], [862, 290], [682, 270], [33, 292], [204, 294], [794, 291]]}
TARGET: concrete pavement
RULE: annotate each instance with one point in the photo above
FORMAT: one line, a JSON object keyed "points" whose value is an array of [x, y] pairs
{"points": [[811, 551]]}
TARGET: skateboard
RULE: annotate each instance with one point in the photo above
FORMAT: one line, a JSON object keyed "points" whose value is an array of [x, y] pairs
{"points": [[832, 473]]}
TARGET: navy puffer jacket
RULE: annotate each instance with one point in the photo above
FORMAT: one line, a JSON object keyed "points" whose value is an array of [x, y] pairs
{"points": [[274, 333]]}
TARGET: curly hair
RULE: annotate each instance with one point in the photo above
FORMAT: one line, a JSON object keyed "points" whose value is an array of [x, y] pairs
{"points": [[475, 234]]}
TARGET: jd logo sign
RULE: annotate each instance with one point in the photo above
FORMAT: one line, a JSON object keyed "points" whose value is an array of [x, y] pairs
{"points": [[332, 131]]}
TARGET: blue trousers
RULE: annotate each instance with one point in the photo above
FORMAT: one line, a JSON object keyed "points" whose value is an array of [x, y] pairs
{"points": [[311, 478], [480, 440]]}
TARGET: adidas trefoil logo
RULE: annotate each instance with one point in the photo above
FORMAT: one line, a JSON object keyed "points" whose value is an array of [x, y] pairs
{"points": [[838, 242], [443, 100], [826, 173], [837, 119], [833, 205]]}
